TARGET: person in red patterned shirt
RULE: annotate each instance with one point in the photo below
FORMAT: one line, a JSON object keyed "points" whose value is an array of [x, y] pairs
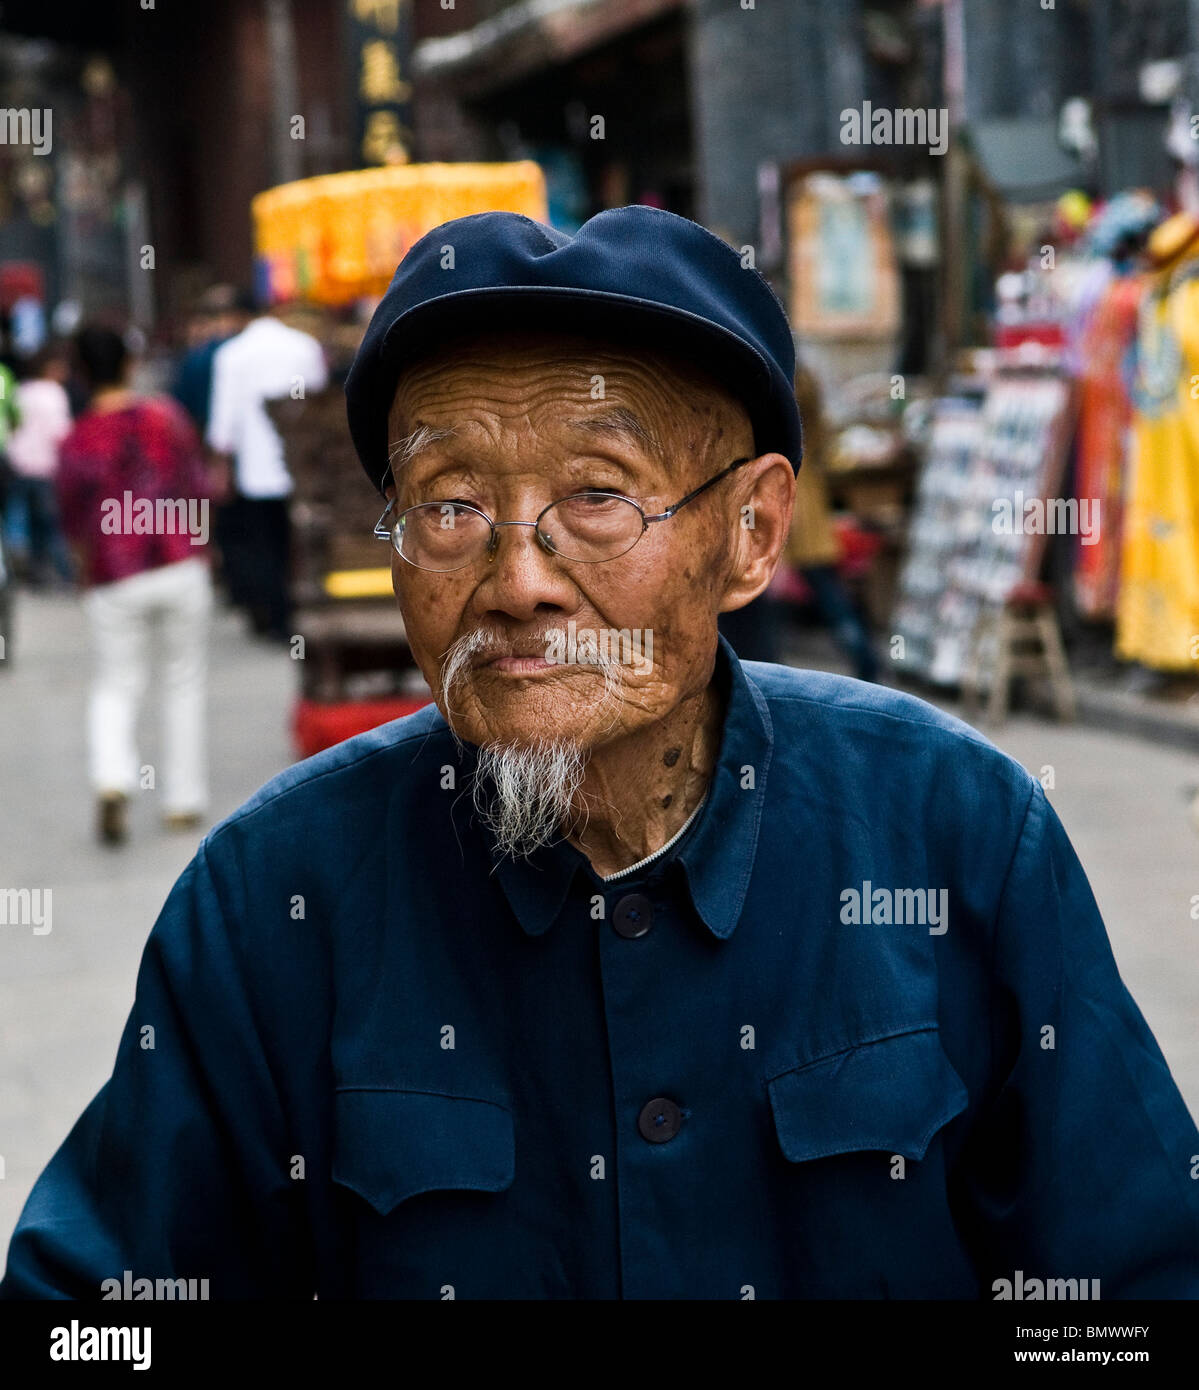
{"points": [[134, 496]]}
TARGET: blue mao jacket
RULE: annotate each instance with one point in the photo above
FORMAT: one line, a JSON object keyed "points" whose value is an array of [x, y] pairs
{"points": [[859, 1034]]}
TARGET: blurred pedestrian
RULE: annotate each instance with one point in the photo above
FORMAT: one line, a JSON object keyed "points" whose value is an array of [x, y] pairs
{"points": [[35, 543], [9, 418], [1106, 342], [266, 361], [812, 544], [134, 496], [220, 314]]}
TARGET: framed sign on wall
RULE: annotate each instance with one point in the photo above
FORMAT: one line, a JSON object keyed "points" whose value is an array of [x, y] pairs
{"points": [[843, 272]]}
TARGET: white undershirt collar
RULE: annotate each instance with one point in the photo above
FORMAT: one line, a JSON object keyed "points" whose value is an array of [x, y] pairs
{"points": [[658, 853]]}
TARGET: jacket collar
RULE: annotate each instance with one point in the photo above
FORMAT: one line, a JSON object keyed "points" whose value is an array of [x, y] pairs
{"points": [[717, 854]]}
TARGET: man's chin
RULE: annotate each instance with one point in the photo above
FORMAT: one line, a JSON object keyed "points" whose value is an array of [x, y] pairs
{"points": [[517, 718], [521, 732]]}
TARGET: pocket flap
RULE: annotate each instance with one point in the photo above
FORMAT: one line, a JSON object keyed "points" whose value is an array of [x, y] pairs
{"points": [[391, 1145], [892, 1095]]}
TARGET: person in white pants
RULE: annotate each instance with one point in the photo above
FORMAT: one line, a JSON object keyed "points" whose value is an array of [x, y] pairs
{"points": [[134, 494], [176, 599]]}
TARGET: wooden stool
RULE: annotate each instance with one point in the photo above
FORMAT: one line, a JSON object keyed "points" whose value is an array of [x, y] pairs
{"points": [[1028, 642]]}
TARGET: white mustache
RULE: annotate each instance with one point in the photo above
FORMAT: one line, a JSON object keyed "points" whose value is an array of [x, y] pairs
{"points": [[461, 654]]}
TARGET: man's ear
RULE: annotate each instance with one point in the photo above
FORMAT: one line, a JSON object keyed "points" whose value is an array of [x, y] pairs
{"points": [[766, 500]]}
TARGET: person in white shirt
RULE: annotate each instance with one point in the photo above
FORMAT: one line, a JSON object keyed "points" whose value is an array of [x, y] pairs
{"points": [[266, 361], [45, 421]]}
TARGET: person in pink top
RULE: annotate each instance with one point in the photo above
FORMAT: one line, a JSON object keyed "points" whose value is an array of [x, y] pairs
{"points": [[135, 500], [34, 537]]}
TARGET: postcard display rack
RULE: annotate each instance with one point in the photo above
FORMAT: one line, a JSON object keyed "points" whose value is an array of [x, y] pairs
{"points": [[973, 536]]}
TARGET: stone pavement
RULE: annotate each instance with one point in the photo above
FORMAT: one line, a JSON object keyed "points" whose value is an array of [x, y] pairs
{"points": [[64, 995]]}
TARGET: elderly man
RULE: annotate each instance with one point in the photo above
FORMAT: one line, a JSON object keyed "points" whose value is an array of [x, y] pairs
{"points": [[627, 970]]}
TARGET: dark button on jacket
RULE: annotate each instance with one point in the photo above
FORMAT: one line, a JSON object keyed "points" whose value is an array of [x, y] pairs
{"points": [[660, 1120], [382, 1070], [633, 916]]}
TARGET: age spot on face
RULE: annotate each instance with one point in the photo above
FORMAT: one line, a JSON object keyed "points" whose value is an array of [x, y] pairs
{"points": [[671, 756]]}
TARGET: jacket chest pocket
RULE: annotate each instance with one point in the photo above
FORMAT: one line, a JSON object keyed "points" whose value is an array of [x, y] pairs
{"points": [[390, 1145], [892, 1095], [863, 1202]]}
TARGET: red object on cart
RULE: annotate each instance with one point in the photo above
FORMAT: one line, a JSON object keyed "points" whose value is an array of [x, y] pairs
{"points": [[1045, 333], [316, 725]]}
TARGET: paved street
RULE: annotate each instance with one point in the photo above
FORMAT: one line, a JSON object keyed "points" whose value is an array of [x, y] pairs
{"points": [[64, 995]]}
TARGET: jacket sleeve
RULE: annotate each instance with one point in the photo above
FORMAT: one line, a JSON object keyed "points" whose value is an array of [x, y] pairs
{"points": [[1085, 1162], [179, 1167]]}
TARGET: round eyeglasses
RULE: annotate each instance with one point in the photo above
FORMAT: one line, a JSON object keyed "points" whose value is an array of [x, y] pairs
{"points": [[586, 527]]}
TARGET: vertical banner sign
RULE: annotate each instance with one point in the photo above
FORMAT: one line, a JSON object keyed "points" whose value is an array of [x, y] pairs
{"points": [[379, 40]]}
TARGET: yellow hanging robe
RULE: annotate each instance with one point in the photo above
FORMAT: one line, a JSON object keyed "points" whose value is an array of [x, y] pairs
{"points": [[1157, 615]]}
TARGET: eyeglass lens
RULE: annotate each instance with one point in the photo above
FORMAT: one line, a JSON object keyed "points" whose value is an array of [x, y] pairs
{"points": [[588, 527]]}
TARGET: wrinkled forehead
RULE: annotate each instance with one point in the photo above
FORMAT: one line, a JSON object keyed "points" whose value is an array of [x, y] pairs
{"points": [[651, 391]]}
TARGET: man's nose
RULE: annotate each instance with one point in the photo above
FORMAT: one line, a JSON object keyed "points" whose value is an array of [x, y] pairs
{"points": [[522, 577]]}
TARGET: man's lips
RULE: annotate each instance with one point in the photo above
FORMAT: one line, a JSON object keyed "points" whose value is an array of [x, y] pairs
{"points": [[519, 665]]}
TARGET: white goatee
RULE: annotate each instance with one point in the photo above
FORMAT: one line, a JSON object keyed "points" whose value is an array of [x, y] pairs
{"points": [[532, 788], [524, 792]]}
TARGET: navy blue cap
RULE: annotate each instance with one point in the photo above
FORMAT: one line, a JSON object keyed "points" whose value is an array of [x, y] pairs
{"points": [[633, 270]]}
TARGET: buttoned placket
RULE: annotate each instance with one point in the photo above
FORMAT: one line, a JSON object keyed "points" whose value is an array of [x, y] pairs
{"points": [[656, 938], [647, 943]]}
